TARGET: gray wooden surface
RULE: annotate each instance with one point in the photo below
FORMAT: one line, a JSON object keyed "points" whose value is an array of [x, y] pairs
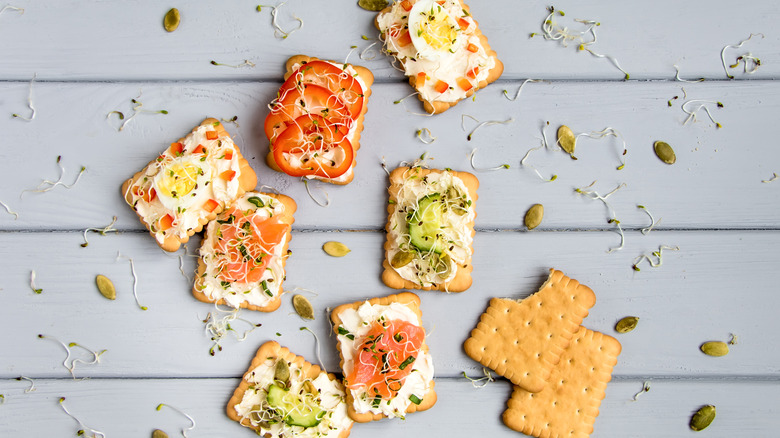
{"points": [[93, 57]]}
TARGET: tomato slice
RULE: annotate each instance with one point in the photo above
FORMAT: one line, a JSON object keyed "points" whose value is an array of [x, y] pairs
{"points": [[312, 145], [333, 78], [295, 102]]}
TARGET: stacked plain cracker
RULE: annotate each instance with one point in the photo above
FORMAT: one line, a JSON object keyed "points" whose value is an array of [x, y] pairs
{"points": [[559, 369]]}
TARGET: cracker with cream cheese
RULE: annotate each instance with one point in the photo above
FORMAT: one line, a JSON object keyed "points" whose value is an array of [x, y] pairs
{"points": [[283, 395], [307, 80], [187, 185], [441, 49], [387, 367], [430, 229], [244, 252]]}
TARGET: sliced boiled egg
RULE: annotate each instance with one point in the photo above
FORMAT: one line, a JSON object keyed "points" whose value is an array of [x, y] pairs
{"points": [[180, 181], [434, 32]]}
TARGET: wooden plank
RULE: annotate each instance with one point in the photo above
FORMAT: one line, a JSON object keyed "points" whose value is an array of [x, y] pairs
{"points": [[126, 407], [715, 285], [715, 167], [128, 42]]}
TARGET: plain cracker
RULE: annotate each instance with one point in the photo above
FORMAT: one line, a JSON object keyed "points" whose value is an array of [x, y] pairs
{"points": [[523, 340], [569, 405]]}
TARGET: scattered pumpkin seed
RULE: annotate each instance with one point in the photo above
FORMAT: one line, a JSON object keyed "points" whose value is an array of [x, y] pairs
{"points": [[715, 348], [534, 215], [282, 371], [171, 20], [303, 307], [664, 152], [106, 287], [401, 259], [336, 249], [626, 324], [310, 388], [703, 417], [566, 139], [372, 5], [159, 434]]}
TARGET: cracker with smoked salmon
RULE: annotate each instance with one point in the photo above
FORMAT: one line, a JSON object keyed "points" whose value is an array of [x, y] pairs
{"points": [[316, 119], [244, 252], [388, 370], [189, 184]]}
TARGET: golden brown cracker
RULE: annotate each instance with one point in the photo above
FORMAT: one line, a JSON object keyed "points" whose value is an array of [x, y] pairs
{"points": [[523, 340], [286, 218], [367, 77], [247, 181], [272, 350], [409, 300], [569, 404], [390, 277]]}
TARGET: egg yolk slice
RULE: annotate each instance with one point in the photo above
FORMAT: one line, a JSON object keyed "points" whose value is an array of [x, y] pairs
{"points": [[434, 32], [178, 180]]}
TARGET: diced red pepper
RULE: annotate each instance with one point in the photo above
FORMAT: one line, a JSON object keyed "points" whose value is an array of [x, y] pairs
{"points": [[464, 84], [199, 150], [228, 155], [473, 73], [405, 39], [228, 175], [166, 222], [407, 5], [177, 149], [210, 205], [440, 2], [463, 23], [421, 77], [441, 86], [211, 135], [472, 48]]}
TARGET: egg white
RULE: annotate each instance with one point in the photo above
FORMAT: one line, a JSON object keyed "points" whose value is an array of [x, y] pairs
{"points": [[434, 32], [190, 187]]}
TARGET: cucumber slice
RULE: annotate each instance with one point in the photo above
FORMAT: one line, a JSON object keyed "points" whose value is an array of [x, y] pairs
{"points": [[296, 410], [425, 224]]}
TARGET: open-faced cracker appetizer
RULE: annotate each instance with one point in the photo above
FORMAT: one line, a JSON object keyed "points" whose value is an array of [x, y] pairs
{"points": [[387, 368], [316, 119], [187, 185], [244, 251]]}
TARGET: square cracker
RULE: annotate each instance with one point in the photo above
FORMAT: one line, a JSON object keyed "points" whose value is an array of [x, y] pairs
{"points": [[286, 218], [247, 180], [438, 106], [390, 277], [523, 340], [367, 77], [569, 405], [411, 301], [272, 350]]}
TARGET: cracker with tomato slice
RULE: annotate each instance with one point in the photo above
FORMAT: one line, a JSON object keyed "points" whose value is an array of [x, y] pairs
{"points": [[430, 229], [441, 49], [283, 395], [188, 184], [387, 367], [244, 252], [316, 119]]}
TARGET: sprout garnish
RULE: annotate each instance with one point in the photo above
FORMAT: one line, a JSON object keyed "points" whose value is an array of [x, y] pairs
{"points": [[233, 120], [384, 166], [135, 279], [401, 100], [317, 344], [481, 124], [369, 53], [9, 211], [32, 384], [47, 185], [217, 326], [517, 94], [34, 288], [657, 254], [482, 381], [13, 8], [103, 231], [84, 431], [592, 194], [192, 420], [678, 78], [425, 135], [137, 109], [653, 222], [756, 62], [484, 169], [71, 366], [607, 132], [773, 178], [733, 340], [702, 105], [246, 63], [311, 195], [278, 31], [645, 388], [523, 163], [29, 98]]}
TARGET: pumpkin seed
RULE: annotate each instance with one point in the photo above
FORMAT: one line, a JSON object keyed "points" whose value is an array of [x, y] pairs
{"points": [[372, 5], [282, 371], [171, 20], [703, 417], [566, 139], [159, 434], [626, 324], [664, 152], [715, 348], [401, 259], [106, 287], [335, 249], [310, 388], [534, 215], [303, 307]]}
